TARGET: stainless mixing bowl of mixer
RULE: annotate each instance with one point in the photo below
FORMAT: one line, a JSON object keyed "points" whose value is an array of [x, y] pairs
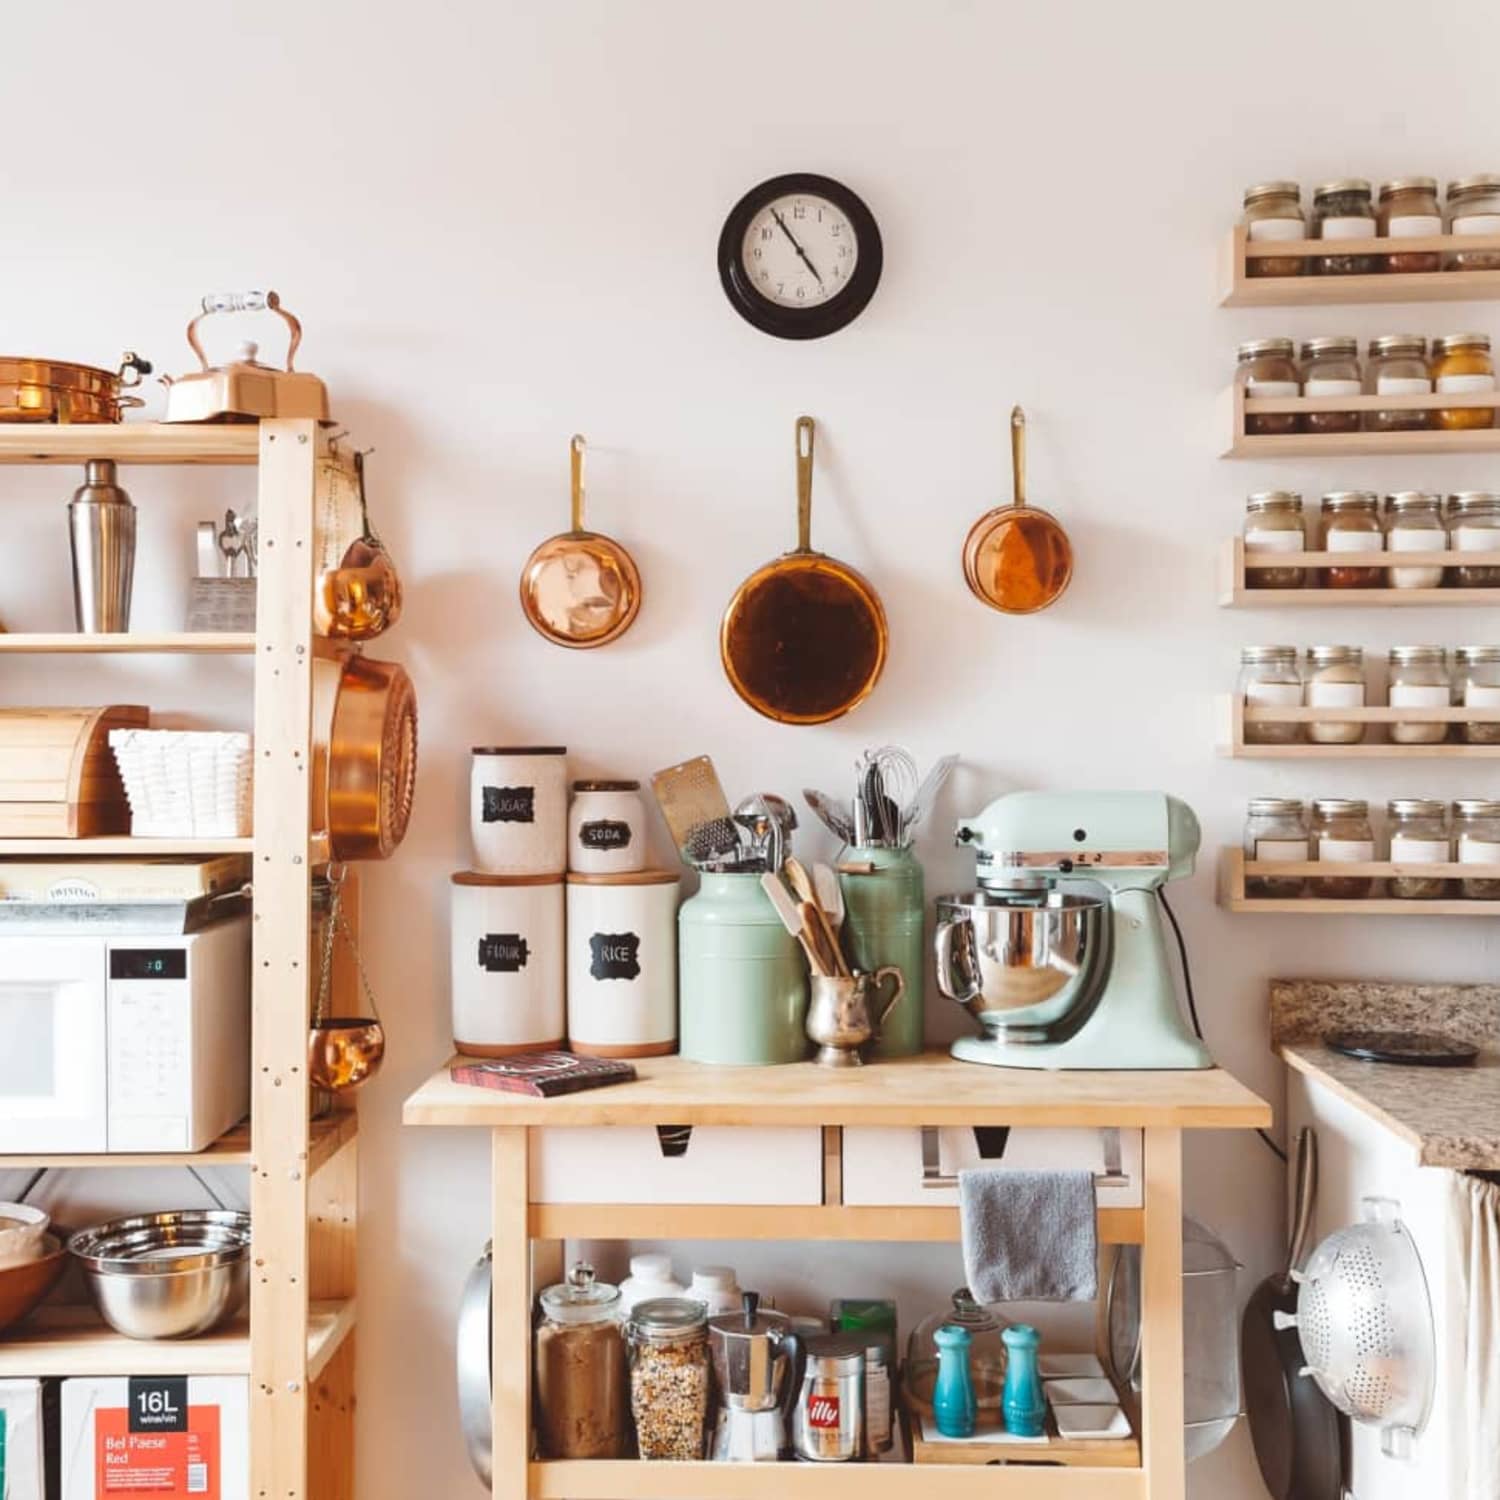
{"points": [[1026, 964]]}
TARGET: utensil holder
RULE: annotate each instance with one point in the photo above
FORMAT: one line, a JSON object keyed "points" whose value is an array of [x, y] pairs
{"points": [[883, 926]]}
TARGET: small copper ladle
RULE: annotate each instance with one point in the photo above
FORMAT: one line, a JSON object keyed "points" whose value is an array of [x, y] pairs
{"points": [[342, 1051]]}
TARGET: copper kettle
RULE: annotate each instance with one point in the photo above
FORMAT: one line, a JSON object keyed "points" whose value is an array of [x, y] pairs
{"points": [[360, 597]]}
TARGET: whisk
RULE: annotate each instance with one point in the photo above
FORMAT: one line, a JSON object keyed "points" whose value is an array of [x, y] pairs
{"points": [[886, 785]]}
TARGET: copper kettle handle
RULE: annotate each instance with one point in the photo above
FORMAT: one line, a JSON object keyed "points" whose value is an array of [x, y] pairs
{"points": [[1018, 453], [217, 302], [805, 427], [576, 446]]}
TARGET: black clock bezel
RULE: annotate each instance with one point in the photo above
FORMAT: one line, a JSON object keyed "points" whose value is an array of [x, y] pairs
{"points": [[825, 317]]}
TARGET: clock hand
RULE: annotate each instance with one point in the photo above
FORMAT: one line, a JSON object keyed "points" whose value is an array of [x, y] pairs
{"points": [[798, 248]]}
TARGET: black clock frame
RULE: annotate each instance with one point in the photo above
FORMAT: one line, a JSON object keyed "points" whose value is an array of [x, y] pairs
{"points": [[822, 318]]}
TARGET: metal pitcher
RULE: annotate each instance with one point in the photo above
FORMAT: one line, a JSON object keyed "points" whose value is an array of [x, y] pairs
{"points": [[846, 1013]]}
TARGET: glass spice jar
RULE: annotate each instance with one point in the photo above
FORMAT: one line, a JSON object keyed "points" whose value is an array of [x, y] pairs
{"points": [[1342, 210], [1273, 523], [1476, 833], [1409, 210], [667, 1342], [1340, 833], [1335, 679], [1474, 209], [582, 1388], [1273, 211], [1397, 366], [1461, 366], [1419, 836], [1330, 367], [1275, 833], [1414, 523], [1476, 684], [1351, 523], [1418, 678], [1269, 679], [1268, 367], [1474, 525]]}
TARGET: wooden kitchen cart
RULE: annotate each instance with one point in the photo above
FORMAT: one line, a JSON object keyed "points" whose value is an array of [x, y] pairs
{"points": [[932, 1090], [297, 1348]]}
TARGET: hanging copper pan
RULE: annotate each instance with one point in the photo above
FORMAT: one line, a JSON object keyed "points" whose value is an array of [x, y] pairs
{"points": [[579, 588], [804, 638], [1017, 558], [371, 762]]}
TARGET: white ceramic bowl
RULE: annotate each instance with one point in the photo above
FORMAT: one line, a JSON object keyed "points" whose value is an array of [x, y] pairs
{"points": [[23, 1232]]}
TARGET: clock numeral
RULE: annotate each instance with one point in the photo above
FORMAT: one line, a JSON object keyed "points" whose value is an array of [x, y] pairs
{"points": [[757, 252], [780, 287], [765, 234], [835, 229], [801, 293], [843, 251], [765, 275], [799, 210]]}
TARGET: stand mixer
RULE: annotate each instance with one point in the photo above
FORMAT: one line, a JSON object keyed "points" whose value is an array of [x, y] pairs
{"points": [[1069, 978]]}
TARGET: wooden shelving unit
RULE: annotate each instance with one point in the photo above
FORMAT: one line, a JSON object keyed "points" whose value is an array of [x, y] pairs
{"points": [[1235, 406], [1234, 714], [1237, 564], [297, 1347], [70, 643], [1241, 290], [1234, 867]]}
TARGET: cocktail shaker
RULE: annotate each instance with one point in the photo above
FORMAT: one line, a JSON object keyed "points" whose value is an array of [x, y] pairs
{"points": [[101, 527]]}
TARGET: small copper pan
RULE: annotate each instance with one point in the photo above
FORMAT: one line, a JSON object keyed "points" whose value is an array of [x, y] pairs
{"points": [[1017, 558], [579, 588]]}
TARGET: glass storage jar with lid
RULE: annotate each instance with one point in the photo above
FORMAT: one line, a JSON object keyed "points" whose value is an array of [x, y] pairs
{"points": [[987, 1355], [1273, 211], [667, 1342], [1397, 366], [1330, 367], [1268, 367], [582, 1388], [1419, 836], [1273, 523], [1476, 832], [1351, 523], [1418, 678], [1474, 209], [1340, 833], [1414, 523], [1476, 684], [1409, 210], [1474, 522], [1269, 679], [1335, 679], [1461, 366], [1342, 210], [1275, 833]]}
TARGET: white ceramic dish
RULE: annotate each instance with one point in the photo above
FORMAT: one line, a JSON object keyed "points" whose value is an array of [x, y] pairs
{"points": [[1080, 1391], [1068, 1366], [1091, 1422]]}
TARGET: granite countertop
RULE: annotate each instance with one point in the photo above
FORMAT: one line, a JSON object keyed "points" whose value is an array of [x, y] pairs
{"points": [[1451, 1116]]}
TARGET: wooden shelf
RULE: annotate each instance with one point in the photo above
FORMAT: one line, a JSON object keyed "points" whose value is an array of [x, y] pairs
{"points": [[71, 643], [124, 844], [1233, 867], [997, 1447], [129, 442], [1233, 714], [1241, 290], [1236, 564], [1235, 407]]}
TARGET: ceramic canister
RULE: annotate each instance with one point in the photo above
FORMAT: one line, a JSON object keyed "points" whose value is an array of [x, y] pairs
{"points": [[606, 828], [883, 924], [507, 974], [518, 809], [622, 963]]}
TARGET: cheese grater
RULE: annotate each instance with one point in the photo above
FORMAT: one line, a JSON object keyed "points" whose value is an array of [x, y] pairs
{"points": [[696, 811]]}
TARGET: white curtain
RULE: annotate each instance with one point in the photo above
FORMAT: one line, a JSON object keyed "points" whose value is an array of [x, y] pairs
{"points": [[1476, 1225]]}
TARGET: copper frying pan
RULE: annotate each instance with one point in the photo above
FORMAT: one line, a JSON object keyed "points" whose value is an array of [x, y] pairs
{"points": [[804, 638], [1017, 558]]}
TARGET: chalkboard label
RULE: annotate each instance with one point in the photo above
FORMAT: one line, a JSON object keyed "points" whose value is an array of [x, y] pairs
{"points": [[159, 1404], [503, 952], [508, 804], [604, 833], [616, 955]]}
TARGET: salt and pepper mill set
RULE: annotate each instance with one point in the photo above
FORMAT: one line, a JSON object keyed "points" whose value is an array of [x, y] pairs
{"points": [[1023, 1404]]}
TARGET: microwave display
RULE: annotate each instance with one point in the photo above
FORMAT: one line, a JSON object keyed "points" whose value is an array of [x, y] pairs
{"points": [[148, 963]]}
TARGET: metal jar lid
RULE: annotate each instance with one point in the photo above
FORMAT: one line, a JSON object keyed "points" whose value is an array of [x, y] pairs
{"points": [[519, 750], [1472, 187], [1408, 185], [1255, 656], [606, 786], [1407, 656], [580, 1299], [669, 1320], [1258, 190], [1338, 347], [1408, 500], [1466, 501], [1275, 807], [830, 1355], [1255, 348], [1347, 500], [1341, 185], [1446, 343], [1273, 500], [1387, 345], [1335, 656], [1477, 807], [1416, 807], [1471, 655], [1341, 807]]}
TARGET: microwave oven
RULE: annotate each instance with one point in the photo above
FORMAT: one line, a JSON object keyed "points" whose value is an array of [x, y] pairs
{"points": [[121, 1043]]}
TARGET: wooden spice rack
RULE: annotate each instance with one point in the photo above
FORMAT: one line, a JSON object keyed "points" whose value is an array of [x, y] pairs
{"points": [[1234, 867], [1235, 406], [1237, 563], [1243, 290], [1234, 714]]}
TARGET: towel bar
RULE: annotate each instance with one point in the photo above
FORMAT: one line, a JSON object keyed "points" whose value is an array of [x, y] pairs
{"points": [[933, 1175]]}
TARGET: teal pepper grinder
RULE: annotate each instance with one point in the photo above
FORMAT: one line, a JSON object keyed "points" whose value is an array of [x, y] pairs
{"points": [[1022, 1401], [953, 1401]]}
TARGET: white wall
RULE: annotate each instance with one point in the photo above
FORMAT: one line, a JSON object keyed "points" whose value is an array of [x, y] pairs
{"points": [[499, 221]]}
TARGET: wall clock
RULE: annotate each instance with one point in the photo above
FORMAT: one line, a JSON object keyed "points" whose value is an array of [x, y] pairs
{"points": [[800, 256]]}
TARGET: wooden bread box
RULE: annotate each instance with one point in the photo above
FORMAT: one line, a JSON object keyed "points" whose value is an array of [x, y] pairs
{"points": [[58, 777]]}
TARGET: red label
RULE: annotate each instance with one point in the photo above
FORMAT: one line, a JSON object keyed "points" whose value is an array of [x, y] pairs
{"points": [[823, 1411], [166, 1465]]}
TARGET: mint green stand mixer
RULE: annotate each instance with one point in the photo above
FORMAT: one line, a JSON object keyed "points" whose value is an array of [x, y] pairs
{"points": [[1060, 954]]}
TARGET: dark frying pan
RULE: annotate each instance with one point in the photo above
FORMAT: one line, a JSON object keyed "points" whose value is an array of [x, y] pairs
{"points": [[1296, 1431]]}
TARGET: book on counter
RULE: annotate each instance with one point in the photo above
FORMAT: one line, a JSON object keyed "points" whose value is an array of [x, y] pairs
{"points": [[543, 1074]]}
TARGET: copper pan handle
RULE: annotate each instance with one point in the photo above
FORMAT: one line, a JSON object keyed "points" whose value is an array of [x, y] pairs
{"points": [[217, 302], [1018, 453], [576, 445], [805, 428]]}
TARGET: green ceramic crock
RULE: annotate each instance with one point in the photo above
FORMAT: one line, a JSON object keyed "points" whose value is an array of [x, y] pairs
{"points": [[883, 917]]}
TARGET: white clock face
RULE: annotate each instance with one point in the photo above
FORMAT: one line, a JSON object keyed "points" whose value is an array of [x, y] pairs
{"points": [[799, 251]]}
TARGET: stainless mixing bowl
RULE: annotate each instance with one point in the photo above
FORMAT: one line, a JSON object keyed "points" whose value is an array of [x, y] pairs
{"points": [[1028, 965], [169, 1275]]}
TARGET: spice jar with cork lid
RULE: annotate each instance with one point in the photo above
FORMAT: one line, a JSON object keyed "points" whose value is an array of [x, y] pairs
{"points": [[1342, 210], [1275, 833], [1269, 679], [1330, 367], [1351, 523], [1461, 366], [1476, 832], [1418, 678], [1273, 211], [1476, 684], [1414, 523], [1340, 833], [1268, 367], [1273, 523], [1474, 209], [1397, 366], [1419, 836], [1335, 679], [582, 1385], [1408, 211], [1474, 522]]}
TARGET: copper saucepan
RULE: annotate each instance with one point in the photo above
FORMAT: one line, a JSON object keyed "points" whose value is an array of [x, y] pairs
{"points": [[1017, 558], [804, 638], [369, 769], [52, 390]]}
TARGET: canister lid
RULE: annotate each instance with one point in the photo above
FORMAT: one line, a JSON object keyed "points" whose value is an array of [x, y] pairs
{"points": [[1466, 654], [1408, 185], [1275, 807], [1416, 807], [1445, 343], [669, 1319], [1398, 343], [1407, 656], [1341, 185], [1255, 348], [1484, 182], [1281, 189], [625, 877], [1273, 500], [519, 750], [580, 1299], [483, 877], [1477, 807], [1404, 500], [606, 786], [830, 1354], [1330, 347]]}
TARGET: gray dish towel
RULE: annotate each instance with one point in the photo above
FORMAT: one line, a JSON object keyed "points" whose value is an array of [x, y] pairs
{"points": [[1029, 1236]]}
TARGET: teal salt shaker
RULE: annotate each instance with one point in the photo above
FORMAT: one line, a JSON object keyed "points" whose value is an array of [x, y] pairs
{"points": [[883, 917], [1022, 1401], [953, 1403], [742, 979]]}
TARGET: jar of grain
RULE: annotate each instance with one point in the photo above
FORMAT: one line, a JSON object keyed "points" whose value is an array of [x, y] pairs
{"points": [[667, 1342], [1476, 832], [1273, 523], [1461, 366], [1418, 679], [1474, 209], [582, 1385], [1474, 522], [1419, 836], [1397, 366], [1269, 679], [1351, 523], [1342, 210], [1340, 833], [1273, 211], [1408, 211], [1330, 367], [1275, 833], [1414, 523], [1335, 679], [1476, 684], [1268, 367]]}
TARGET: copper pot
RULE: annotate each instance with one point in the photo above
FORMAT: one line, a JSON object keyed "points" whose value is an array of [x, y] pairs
{"points": [[361, 597], [50, 390], [343, 1051], [372, 760]]}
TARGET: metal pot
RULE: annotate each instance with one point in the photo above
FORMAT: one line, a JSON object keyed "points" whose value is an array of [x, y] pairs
{"points": [[51, 390], [1023, 962], [475, 1331], [371, 760]]}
